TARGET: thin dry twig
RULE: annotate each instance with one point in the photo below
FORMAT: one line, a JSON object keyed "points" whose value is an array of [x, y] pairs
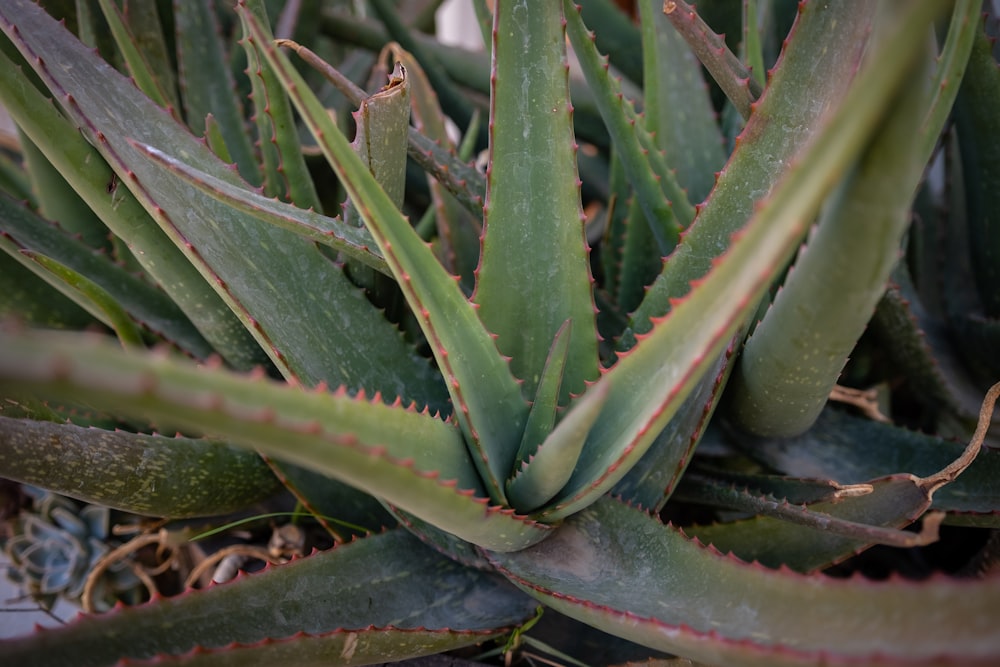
{"points": [[259, 553], [865, 400], [948, 474], [112, 557]]}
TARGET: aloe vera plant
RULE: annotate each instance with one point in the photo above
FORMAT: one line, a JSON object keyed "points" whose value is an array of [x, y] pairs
{"points": [[521, 368]]}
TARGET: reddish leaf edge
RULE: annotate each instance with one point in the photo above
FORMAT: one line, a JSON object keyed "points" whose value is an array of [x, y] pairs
{"points": [[714, 646]]}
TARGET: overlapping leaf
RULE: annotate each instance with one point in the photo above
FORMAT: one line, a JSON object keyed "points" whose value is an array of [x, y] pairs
{"points": [[487, 398], [410, 459], [701, 604], [288, 294], [667, 364], [385, 595]]}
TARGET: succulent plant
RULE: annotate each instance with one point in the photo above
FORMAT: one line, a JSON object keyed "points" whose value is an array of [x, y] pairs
{"points": [[639, 312], [55, 545]]}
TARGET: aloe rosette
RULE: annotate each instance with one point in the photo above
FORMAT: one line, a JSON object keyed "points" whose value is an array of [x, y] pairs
{"points": [[519, 381]]}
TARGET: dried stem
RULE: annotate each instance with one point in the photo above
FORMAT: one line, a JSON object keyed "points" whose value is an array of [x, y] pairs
{"points": [[865, 400], [113, 557], [260, 553], [955, 468]]}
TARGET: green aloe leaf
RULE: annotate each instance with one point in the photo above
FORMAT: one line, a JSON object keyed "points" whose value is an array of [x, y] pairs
{"points": [[153, 475], [619, 38], [35, 302], [409, 459], [963, 30], [678, 109], [783, 122], [794, 357], [15, 180], [487, 399], [458, 229], [533, 215], [664, 215], [556, 459], [902, 318], [462, 180], [456, 104], [207, 84], [752, 48], [145, 79], [545, 406], [484, 19], [666, 366], [797, 490], [57, 200], [613, 240], [88, 294], [87, 172], [700, 604], [146, 304], [355, 242], [215, 140], [434, 155], [382, 124], [290, 296], [394, 598], [285, 171], [853, 450], [547, 466], [639, 261], [729, 72], [981, 168], [812, 536], [651, 481], [145, 26]]}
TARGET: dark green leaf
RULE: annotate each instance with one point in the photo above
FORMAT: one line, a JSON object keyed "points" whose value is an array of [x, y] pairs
{"points": [[386, 595], [533, 217], [622, 571], [143, 474]]}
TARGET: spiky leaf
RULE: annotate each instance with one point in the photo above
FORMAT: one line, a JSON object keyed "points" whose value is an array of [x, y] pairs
{"points": [[386, 595], [698, 603]]}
